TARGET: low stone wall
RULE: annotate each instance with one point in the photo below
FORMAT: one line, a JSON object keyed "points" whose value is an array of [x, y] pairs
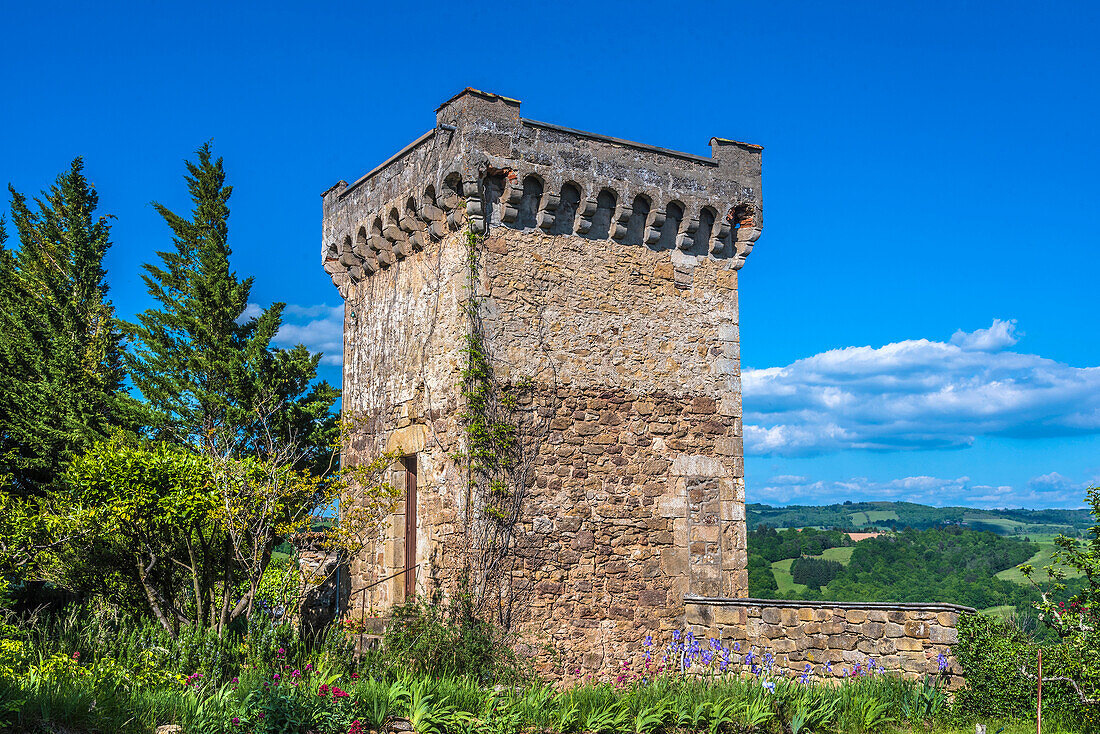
{"points": [[833, 637]]}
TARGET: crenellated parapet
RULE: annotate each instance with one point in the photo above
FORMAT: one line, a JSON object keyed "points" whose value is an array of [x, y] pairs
{"points": [[485, 165]]}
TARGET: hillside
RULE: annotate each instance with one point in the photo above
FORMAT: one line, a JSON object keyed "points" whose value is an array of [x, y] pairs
{"points": [[899, 515]]}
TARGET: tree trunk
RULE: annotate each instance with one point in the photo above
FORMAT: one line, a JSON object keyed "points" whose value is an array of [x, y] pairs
{"points": [[151, 595]]}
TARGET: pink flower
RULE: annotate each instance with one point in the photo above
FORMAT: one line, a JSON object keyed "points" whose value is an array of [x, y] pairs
{"points": [[323, 690], [337, 693]]}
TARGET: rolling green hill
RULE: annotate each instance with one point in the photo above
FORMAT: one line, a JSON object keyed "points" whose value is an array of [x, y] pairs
{"points": [[898, 515]]}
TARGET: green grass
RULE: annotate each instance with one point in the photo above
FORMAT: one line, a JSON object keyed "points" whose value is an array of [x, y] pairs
{"points": [[999, 612], [1037, 561], [783, 578], [872, 516], [1012, 527], [841, 555]]}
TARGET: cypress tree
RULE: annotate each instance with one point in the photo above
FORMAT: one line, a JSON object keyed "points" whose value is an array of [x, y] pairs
{"points": [[61, 349], [207, 370]]}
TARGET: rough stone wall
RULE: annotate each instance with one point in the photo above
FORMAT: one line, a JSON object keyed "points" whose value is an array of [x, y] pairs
{"points": [[640, 492], [902, 638], [638, 496], [608, 279], [403, 333]]}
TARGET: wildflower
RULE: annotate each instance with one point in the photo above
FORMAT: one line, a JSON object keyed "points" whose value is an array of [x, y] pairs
{"points": [[675, 634], [355, 676], [648, 640], [261, 715], [737, 647], [76, 655], [281, 652], [337, 693], [309, 666], [235, 680], [323, 690], [828, 667], [235, 721], [770, 685], [295, 674], [942, 662], [275, 677]]}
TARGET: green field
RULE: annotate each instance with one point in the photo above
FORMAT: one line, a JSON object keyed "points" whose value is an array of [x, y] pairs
{"points": [[843, 555], [1006, 526], [783, 578], [872, 516], [1037, 561], [782, 569]]}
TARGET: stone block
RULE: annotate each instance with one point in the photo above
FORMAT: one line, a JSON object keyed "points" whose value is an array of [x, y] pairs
{"points": [[944, 635]]}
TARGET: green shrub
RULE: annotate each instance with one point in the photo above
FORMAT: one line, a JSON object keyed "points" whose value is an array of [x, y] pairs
{"points": [[427, 639], [999, 665]]}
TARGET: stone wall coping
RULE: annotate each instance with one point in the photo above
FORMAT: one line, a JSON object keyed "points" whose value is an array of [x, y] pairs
{"points": [[392, 159], [822, 604], [620, 141]]}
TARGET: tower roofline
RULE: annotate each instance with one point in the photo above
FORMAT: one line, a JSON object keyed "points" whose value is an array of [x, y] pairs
{"points": [[484, 165]]}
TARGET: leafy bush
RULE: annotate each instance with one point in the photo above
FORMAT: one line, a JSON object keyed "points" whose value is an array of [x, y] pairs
{"points": [[999, 667], [428, 639]]}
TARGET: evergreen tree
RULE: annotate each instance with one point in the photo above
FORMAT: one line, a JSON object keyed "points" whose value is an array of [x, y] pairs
{"points": [[208, 371], [61, 351]]}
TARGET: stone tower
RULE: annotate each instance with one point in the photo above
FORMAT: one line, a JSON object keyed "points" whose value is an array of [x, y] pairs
{"points": [[544, 322]]}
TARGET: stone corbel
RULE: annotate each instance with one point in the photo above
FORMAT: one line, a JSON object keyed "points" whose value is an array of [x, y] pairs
{"points": [[587, 209], [686, 239], [720, 237], [386, 258], [653, 232], [475, 214], [342, 283], [410, 223], [548, 211], [621, 226], [511, 199], [746, 237]]}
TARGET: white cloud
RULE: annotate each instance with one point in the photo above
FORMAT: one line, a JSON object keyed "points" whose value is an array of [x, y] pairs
{"points": [[935, 491], [917, 394], [998, 336], [320, 328]]}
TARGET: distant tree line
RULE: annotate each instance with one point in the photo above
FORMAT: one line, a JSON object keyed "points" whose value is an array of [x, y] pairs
{"points": [[954, 564]]}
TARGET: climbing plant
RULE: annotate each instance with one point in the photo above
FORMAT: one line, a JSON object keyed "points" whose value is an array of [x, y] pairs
{"points": [[503, 429]]}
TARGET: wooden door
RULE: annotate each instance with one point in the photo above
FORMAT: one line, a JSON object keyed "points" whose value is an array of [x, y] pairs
{"points": [[410, 525]]}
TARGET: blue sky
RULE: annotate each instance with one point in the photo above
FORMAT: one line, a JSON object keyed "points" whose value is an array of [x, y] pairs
{"points": [[919, 317]]}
